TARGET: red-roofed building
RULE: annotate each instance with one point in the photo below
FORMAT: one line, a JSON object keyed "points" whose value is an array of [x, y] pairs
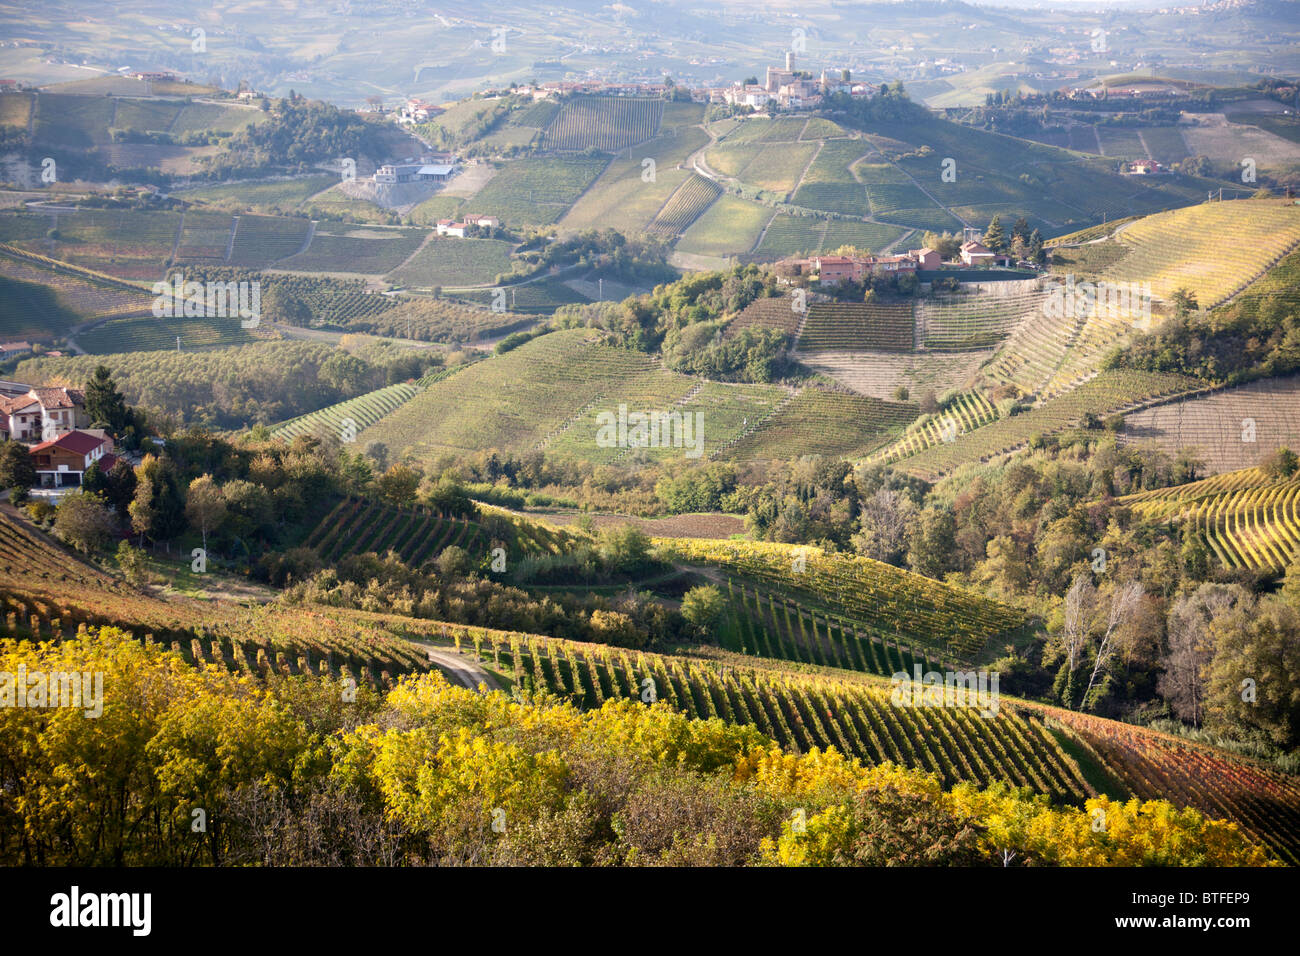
{"points": [[43, 412], [63, 461]]}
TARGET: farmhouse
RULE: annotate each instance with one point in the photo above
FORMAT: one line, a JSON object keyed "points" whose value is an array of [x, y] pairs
{"points": [[42, 411], [62, 462], [450, 227], [9, 349], [1145, 167], [926, 258], [977, 254], [832, 270]]}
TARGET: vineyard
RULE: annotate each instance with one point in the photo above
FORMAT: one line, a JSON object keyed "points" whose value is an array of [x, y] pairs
{"points": [[878, 374], [730, 226], [536, 191], [1109, 393], [607, 123], [889, 603], [81, 299], [767, 625], [372, 251], [1147, 764], [773, 312], [454, 262], [148, 334], [964, 413], [858, 325], [511, 401], [829, 182], [978, 316], [792, 236], [204, 236], [1214, 249], [1248, 519], [362, 411], [802, 712], [1228, 430], [684, 206], [262, 240], [417, 535], [818, 421]]}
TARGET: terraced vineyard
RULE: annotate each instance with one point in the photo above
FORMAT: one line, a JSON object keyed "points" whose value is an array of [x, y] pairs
{"points": [[362, 411], [684, 206], [607, 123], [879, 374], [950, 622], [818, 421], [976, 317], [1247, 518], [886, 326], [964, 413], [1230, 429], [263, 240], [1109, 393], [1215, 249], [772, 312]]}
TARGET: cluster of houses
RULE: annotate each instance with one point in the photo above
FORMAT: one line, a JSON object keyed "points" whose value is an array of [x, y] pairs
{"points": [[52, 422], [832, 270], [786, 87], [458, 228]]}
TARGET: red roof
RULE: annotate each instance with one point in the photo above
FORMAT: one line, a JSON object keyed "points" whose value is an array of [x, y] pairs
{"points": [[77, 442]]}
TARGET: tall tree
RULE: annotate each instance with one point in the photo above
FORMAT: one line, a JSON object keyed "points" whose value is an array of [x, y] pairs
{"points": [[17, 470], [105, 405], [995, 238], [158, 509], [205, 506]]}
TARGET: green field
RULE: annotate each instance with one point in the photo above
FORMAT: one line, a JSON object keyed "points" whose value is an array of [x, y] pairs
{"points": [[537, 191], [608, 123], [262, 240], [149, 334], [630, 192], [509, 402], [281, 194], [729, 227], [371, 251], [821, 422], [446, 261]]}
